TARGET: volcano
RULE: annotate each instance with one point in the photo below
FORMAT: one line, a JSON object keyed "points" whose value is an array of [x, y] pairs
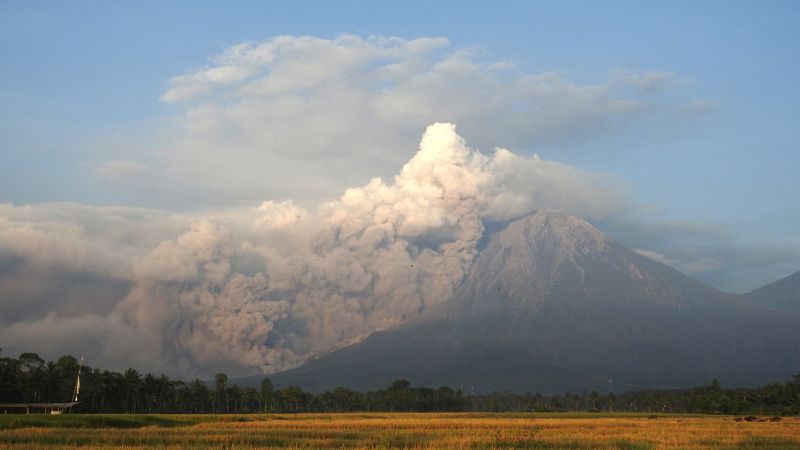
{"points": [[552, 305]]}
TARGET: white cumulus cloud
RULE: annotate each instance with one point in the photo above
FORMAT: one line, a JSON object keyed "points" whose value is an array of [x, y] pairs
{"points": [[304, 117]]}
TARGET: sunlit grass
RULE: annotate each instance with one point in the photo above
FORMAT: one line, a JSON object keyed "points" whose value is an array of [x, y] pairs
{"points": [[475, 431]]}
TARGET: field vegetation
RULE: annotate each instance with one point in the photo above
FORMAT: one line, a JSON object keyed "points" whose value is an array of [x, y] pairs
{"points": [[398, 430]]}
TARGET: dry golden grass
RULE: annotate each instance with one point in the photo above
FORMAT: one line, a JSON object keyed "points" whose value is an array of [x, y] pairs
{"points": [[476, 431]]}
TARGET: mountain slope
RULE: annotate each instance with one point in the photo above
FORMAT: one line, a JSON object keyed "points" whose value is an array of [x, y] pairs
{"points": [[782, 295], [553, 304]]}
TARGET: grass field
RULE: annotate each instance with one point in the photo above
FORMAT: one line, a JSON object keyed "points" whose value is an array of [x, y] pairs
{"points": [[477, 431]]}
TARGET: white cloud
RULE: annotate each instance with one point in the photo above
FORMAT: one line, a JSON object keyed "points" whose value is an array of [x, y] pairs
{"points": [[655, 256], [303, 117], [647, 82], [691, 266]]}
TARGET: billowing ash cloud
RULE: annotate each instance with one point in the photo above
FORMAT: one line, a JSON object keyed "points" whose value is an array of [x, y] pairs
{"points": [[267, 287]]}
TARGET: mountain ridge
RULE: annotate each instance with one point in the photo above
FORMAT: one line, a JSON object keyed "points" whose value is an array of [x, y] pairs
{"points": [[782, 295]]}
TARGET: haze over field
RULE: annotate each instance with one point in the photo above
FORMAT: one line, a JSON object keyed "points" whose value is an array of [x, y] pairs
{"points": [[198, 198]]}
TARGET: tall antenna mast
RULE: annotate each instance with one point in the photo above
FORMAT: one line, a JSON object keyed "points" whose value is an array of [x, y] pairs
{"points": [[78, 382]]}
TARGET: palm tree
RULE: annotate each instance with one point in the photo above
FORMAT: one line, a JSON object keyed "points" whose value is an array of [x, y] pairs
{"points": [[132, 382], [199, 396], [267, 394], [220, 380]]}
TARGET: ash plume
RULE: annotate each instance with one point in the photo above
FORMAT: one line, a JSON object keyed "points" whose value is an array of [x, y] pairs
{"points": [[265, 288]]}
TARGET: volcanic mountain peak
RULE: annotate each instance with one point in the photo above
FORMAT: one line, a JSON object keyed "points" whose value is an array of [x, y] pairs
{"points": [[551, 234], [521, 264]]}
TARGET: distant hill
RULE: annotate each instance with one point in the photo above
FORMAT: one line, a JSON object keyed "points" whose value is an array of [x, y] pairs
{"points": [[552, 304], [783, 295]]}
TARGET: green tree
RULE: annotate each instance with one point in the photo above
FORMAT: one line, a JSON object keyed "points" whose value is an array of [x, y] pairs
{"points": [[220, 380], [250, 400], [294, 398], [32, 367], [233, 399], [132, 386], [199, 396], [400, 395], [10, 380], [267, 394], [67, 372], [594, 397]]}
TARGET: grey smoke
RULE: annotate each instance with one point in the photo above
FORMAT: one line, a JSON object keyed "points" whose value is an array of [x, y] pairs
{"points": [[264, 288]]}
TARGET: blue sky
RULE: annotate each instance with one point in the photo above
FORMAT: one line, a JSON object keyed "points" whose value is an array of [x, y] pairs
{"points": [[82, 83]]}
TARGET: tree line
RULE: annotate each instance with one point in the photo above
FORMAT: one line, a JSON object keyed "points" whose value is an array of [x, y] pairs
{"points": [[780, 399], [31, 379]]}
